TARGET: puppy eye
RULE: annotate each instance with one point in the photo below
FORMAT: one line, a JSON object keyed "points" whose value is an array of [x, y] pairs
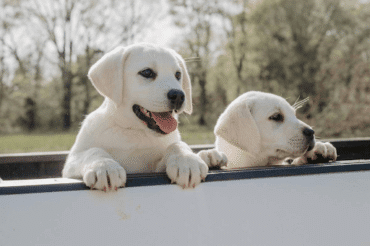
{"points": [[148, 73], [277, 117], [178, 75]]}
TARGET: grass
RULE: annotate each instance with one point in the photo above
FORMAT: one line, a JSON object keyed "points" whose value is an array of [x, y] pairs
{"points": [[23, 143], [36, 142], [191, 134]]}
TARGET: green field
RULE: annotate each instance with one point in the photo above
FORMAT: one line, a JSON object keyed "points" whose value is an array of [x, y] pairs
{"points": [[23, 143], [36, 142]]}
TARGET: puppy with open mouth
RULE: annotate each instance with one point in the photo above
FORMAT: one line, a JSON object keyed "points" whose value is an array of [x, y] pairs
{"points": [[261, 129], [135, 130]]}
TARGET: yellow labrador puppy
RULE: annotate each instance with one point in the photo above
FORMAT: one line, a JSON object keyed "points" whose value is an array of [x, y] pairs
{"points": [[135, 129], [261, 129]]}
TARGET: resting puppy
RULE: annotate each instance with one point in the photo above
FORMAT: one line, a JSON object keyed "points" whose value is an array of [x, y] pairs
{"points": [[261, 129], [135, 129]]}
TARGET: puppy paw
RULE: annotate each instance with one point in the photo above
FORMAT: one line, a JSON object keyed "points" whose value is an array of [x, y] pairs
{"points": [[213, 158], [105, 175], [187, 170], [321, 153]]}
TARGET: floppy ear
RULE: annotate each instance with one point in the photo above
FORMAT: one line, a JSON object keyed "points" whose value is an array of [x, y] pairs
{"points": [[107, 74], [186, 85], [237, 126]]}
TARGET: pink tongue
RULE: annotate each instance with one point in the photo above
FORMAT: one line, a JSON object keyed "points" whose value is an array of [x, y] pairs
{"points": [[165, 121]]}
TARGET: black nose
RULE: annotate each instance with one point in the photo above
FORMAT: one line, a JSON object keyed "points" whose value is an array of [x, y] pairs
{"points": [[176, 98], [308, 132]]}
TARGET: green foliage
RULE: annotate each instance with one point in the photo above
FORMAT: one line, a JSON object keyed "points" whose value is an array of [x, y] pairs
{"points": [[299, 49], [294, 48]]}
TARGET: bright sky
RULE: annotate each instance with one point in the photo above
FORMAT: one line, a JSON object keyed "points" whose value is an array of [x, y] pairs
{"points": [[163, 33]]}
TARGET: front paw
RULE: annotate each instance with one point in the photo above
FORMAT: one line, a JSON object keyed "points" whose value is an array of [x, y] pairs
{"points": [[321, 153], [186, 170], [104, 174], [213, 158]]}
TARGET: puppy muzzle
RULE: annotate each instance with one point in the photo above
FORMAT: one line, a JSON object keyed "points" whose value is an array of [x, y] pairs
{"points": [[160, 122], [310, 135], [176, 98]]}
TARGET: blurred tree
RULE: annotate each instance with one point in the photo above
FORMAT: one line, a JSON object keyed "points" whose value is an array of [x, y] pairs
{"points": [[27, 56], [84, 93], [236, 29], [296, 38], [303, 48], [315, 48], [195, 18], [346, 78], [4, 72], [29, 119], [73, 27]]}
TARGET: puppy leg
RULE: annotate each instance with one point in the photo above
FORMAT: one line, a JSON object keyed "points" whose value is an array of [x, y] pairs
{"points": [[183, 166], [321, 153], [97, 168], [213, 158]]}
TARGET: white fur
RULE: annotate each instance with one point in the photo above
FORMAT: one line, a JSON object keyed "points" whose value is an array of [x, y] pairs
{"points": [[249, 137], [113, 140]]}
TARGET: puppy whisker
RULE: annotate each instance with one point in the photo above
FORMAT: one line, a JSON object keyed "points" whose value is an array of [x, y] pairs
{"points": [[299, 104], [184, 116], [296, 101], [192, 59]]}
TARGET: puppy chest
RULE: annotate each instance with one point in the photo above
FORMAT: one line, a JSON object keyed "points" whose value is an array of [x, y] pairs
{"points": [[138, 160]]}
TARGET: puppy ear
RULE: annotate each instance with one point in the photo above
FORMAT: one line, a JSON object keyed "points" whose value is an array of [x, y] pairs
{"points": [[186, 85], [107, 74], [237, 126]]}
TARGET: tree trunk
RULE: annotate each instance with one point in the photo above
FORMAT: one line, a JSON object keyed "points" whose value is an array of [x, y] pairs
{"points": [[85, 81], [203, 100], [66, 103], [87, 99]]}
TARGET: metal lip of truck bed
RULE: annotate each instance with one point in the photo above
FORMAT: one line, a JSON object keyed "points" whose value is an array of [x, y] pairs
{"points": [[354, 155], [137, 180], [345, 149]]}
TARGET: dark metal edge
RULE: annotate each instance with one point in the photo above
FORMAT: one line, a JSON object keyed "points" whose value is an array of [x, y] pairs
{"points": [[137, 180], [60, 156]]}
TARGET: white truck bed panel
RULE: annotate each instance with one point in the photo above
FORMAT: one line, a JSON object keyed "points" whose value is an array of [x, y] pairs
{"points": [[320, 209]]}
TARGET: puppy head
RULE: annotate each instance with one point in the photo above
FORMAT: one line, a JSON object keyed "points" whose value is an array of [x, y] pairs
{"points": [[266, 124], [148, 83], [237, 125]]}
